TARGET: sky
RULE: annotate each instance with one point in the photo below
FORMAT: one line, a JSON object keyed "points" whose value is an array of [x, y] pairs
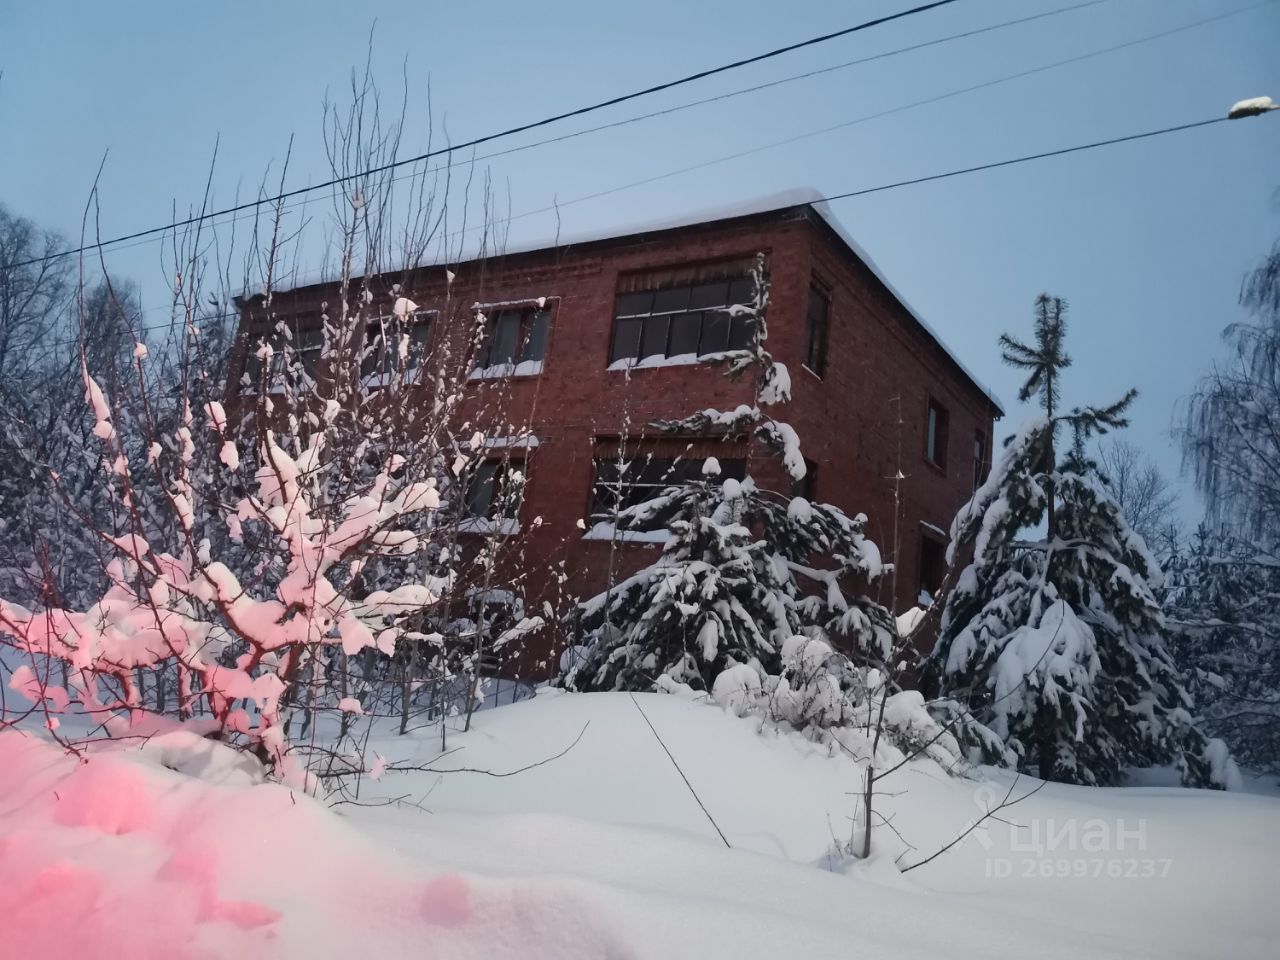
{"points": [[1147, 241]]}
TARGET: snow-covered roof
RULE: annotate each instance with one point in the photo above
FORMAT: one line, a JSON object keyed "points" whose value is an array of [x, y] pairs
{"points": [[768, 203]]}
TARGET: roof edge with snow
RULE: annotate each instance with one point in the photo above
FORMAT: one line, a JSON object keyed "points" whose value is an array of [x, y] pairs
{"points": [[794, 200]]}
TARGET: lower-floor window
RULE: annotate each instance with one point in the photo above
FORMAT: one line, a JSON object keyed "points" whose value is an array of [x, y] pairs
{"points": [[495, 490], [933, 566], [629, 481]]}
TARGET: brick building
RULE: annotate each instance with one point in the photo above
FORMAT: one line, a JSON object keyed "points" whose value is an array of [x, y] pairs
{"points": [[588, 336]]}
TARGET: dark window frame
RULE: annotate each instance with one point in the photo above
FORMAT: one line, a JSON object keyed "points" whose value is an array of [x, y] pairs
{"points": [[936, 434], [491, 474], [531, 326], [645, 320], [931, 563], [645, 476], [807, 486], [817, 330], [382, 359], [979, 459]]}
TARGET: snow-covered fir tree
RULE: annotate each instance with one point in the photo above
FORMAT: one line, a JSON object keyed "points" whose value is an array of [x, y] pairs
{"points": [[1059, 642], [1222, 603], [734, 581]]}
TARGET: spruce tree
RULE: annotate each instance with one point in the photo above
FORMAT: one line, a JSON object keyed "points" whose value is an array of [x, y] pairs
{"points": [[743, 568], [1220, 601], [1060, 643]]}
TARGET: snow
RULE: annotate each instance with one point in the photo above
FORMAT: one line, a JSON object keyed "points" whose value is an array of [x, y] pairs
{"points": [[735, 689], [935, 529], [525, 368], [526, 441], [506, 527], [604, 852], [649, 363], [606, 531], [1251, 107], [779, 201]]}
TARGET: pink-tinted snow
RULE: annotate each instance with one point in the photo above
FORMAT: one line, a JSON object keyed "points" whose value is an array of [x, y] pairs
{"points": [[117, 856]]}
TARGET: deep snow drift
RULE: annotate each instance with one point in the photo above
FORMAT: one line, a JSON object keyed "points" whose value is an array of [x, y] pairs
{"points": [[604, 852]]}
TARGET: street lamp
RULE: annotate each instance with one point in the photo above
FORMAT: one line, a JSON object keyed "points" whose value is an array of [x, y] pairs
{"points": [[1252, 107]]}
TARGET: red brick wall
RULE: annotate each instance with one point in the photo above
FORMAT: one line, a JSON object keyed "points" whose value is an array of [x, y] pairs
{"points": [[847, 420]]}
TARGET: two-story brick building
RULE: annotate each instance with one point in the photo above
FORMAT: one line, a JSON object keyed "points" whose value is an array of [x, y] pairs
{"points": [[590, 341]]}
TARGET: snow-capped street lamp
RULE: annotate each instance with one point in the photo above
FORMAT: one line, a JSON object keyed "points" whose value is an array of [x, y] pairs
{"points": [[1252, 107]]}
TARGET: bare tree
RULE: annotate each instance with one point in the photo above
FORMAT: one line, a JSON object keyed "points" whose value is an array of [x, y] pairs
{"points": [[1140, 488], [289, 545], [34, 298], [1230, 425]]}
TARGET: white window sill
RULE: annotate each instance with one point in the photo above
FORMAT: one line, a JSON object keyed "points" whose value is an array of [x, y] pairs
{"points": [[649, 363], [529, 442], [506, 527], [525, 368], [607, 531]]}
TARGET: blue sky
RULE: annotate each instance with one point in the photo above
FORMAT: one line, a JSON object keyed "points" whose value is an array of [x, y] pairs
{"points": [[1148, 241]]}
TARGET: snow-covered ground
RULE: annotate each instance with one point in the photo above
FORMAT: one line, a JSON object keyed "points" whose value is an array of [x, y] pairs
{"points": [[604, 852]]}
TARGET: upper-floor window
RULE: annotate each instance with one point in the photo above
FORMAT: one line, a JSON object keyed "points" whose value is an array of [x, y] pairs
{"points": [[298, 348], [681, 313], [394, 343], [935, 447], [815, 351], [514, 341], [979, 460]]}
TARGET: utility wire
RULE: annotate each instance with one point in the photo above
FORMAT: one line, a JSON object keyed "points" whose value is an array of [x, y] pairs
{"points": [[1024, 159], [510, 131], [703, 806], [1007, 78], [963, 171], [760, 148], [666, 111]]}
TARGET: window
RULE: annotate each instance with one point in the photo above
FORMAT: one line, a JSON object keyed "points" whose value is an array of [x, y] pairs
{"points": [[302, 347], [935, 446], [383, 338], [979, 460], [807, 486], [681, 312], [619, 485], [514, 337], [815, 353], [307, 347], [933, 566], [495, 490]]}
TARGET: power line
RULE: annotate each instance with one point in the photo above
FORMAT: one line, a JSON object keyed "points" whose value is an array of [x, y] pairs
{"points": [[962, 171], [1063, 151], [666, 111], [579, 111], [760, 148], [903, 107]]}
